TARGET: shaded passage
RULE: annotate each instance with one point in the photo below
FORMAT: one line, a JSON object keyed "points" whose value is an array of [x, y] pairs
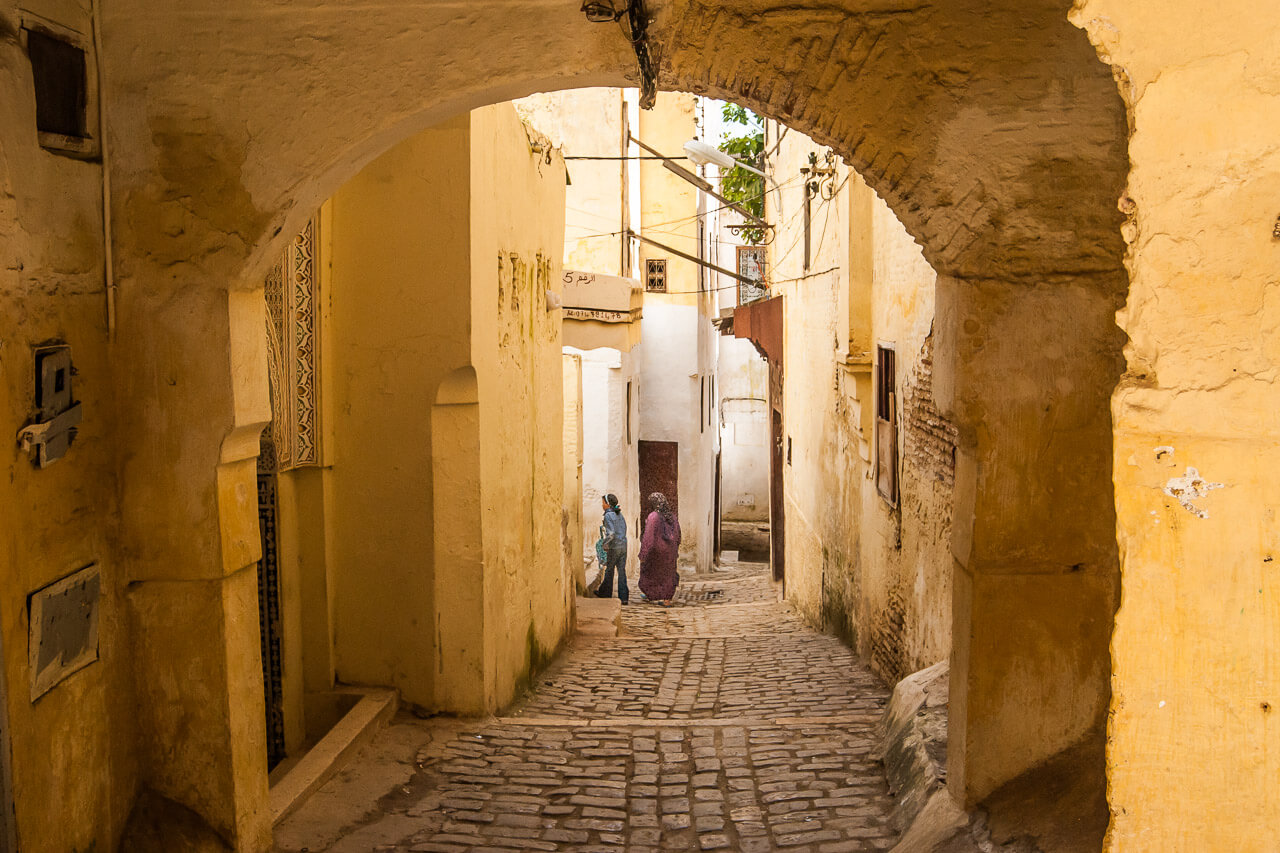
{"points": [[721, 723]]}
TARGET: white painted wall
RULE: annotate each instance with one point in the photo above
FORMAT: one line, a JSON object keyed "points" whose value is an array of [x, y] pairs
{"points": [[742, 392], [609, 459], [678, 362], [744, 432]]}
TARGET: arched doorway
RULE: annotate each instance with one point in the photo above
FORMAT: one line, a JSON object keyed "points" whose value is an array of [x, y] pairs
{"points": [[1002, 153]]}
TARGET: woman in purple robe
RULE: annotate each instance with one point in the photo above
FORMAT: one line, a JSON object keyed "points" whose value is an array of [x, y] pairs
{"points": [[659, 547]]}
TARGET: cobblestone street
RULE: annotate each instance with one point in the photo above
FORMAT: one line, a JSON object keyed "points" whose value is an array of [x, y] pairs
{"points": [[722, 723]]}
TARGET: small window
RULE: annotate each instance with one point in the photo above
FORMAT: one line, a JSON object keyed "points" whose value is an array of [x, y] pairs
{"points": [[60, 77], [886, 424], [702, 405], [751, 265], [628, 413], [655, 279]]}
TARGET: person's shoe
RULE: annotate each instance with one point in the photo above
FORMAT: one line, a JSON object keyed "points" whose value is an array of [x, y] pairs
{"points": [[624, 601], [600, 594]]}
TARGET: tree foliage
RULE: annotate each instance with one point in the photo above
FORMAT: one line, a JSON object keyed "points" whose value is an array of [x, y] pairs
{"points": [[744, 188]]}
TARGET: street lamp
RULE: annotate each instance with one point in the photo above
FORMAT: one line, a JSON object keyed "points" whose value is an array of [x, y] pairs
{"points": [[703, 154]]}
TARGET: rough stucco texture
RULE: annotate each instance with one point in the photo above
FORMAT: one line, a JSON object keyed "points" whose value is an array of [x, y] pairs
{"points": [[1193, 717], [66, 746]]}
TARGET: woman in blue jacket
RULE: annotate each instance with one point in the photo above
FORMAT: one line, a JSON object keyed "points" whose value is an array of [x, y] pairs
{"points": [[614, 536]]}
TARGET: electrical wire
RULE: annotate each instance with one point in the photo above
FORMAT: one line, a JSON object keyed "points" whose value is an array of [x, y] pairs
{"points": [[633, 157], [752, 197]]}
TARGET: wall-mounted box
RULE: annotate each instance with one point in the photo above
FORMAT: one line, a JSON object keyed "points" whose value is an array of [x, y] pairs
{"points": [[57, 412]]}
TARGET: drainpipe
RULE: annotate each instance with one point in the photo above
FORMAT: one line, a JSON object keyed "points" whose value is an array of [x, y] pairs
{"points": [[107, 241]]}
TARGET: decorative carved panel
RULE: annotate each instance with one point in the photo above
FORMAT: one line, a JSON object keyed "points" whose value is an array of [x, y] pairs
{"points": [[292, 294]]}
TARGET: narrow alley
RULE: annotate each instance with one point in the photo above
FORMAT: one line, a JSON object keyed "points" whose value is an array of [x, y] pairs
{"points": [[722, 723]]}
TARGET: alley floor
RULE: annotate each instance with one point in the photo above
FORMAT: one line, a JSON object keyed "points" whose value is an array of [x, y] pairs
{"points": [[721, 723]]}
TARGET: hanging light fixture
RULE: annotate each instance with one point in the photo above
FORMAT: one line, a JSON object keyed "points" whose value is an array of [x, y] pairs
{"points": [[601, 11]]}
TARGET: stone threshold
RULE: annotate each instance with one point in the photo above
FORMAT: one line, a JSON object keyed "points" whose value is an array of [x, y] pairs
{"points": [[689, 722], [639, 635], [292, 788]]}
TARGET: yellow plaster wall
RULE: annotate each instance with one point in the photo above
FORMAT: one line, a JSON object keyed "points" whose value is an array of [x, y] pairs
{"points": [[401, 321], [517, 242], [442, 252], [879, 575], [572, 524], [73, 752], [668, 203], [1194, 738]]}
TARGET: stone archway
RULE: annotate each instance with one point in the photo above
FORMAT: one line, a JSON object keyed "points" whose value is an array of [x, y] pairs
{"points": [[993, 131]]}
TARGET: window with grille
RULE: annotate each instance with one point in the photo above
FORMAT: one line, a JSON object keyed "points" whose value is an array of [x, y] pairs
{"points": [[751, 265], [655, 275]]}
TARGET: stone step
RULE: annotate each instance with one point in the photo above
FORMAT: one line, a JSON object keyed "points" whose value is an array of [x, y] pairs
{"points": [[291, 789], [598, 617]]}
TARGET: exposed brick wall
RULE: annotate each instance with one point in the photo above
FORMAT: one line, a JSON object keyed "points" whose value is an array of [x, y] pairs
{"points": [[929, 439], [888, 639], [896, 622]]}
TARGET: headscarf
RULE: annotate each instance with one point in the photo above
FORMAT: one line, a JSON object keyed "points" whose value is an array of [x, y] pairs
{"points": [[658, 501], [612, 501]]}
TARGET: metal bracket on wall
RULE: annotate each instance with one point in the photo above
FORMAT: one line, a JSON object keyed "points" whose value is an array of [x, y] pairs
{"points": [[637, 30], [57, 413]]}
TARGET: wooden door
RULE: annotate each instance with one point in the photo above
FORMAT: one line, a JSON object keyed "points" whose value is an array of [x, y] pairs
{"points": [[715, 519], [659, 472], [776, 516]]}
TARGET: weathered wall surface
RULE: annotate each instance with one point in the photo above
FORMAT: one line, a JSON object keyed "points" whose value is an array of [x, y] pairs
{"points": [[572, 530], [443, 352], [589, 123], [1193, 743], [401, 282], [72, 751], [877, 572], [999, 140], [678, 358], [742, 386], [517, 242], [610, 433]]}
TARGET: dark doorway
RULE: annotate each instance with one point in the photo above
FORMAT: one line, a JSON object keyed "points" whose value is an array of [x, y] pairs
{"points": [[659, 472], [269, 601], [776, 516], [715, 530]]}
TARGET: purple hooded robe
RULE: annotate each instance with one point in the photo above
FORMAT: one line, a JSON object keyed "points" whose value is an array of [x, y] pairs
{"points": [[659, 548]]}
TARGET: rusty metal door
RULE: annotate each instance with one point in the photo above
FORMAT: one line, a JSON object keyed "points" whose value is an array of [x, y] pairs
{"points": [[659, 472]]}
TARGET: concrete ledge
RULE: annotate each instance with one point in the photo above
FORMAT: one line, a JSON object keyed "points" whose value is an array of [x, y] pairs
{"points": [[599, 617], [326, 758]]}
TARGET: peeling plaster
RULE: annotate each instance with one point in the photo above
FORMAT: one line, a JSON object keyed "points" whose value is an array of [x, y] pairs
{"points": [[1190, 487]]}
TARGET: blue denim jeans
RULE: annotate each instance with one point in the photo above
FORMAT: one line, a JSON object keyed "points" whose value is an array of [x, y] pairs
{"points": [[617, 559]]}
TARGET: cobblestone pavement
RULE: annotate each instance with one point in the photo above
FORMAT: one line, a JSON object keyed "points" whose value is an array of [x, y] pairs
{"points": [[721, 723]]}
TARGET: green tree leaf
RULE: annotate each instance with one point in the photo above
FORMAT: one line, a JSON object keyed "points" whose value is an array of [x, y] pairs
{"points": [[744, 188]]}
